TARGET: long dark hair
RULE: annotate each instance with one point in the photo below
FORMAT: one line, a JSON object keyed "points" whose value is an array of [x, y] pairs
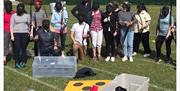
{"points": [[141, 7], [21, 6]]}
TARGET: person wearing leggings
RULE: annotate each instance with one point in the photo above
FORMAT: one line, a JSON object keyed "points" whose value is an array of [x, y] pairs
{"points": [[20, 23]]}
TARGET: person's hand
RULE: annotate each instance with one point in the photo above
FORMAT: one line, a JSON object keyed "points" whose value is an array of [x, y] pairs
{"points": [[85, 36], [128, 23], [55, 47], [65, 30], [172, 29], [36, 38], [105, 20], [12, 37], [31, 36], [114, 34]]}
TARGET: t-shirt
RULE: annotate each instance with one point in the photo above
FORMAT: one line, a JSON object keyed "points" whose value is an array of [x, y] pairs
{"points": [[7, 18], [20, 24], [78, 31], [38, 17], [164, 24]]}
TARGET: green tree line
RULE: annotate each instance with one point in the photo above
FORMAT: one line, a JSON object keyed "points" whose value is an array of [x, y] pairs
{"points": [[147, 2]]}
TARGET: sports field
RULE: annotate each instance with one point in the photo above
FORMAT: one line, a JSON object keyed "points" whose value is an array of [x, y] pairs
{"points": [[162, 76]]}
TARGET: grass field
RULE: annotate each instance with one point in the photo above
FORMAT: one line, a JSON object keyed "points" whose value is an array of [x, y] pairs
{"points": [[162, 76]]}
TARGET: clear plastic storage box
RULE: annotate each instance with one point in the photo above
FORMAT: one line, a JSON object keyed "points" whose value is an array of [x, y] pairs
{"points": [[54, 66], [129, 82]]}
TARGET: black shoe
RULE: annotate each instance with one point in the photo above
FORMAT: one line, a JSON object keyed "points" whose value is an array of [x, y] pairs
{"points": [[168, 62]]}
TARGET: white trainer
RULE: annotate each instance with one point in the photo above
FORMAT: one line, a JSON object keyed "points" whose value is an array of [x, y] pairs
{"points": [[134, 54], [159, 60], [131, 59], [63, 56], [112, 59], [124, 58], [107, 59], [147, 55]]}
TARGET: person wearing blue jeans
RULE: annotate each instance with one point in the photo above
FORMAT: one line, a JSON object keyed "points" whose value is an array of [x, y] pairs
{"points": [[126, 20], [127, 37]]}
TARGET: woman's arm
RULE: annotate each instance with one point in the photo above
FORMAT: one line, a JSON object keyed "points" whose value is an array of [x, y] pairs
{"points": [[12, 22], [72, 36]]}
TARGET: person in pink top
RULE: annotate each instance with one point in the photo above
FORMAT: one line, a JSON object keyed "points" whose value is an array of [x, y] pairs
{"points": [[96, 31], [7, 16]]}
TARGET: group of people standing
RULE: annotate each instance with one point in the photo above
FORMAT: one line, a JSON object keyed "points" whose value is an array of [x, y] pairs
{"points": [[122, 30]]}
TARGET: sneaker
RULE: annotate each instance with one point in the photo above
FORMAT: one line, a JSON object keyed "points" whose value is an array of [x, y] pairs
{"points": [[124, 58], [147, 55], [159, 60], [168, 62], [63, 55], [17, 66], [134, 54], [107, 59], [22, 65], [131, 59], [112, 59]]}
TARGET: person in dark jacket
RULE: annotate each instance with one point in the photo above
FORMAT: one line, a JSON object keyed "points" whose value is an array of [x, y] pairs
{"points": [[82, 8], [46, 40], [110, 26], [118, 46]]}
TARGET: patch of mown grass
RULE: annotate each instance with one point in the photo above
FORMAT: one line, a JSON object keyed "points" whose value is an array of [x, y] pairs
{"points": [[161, 75]]}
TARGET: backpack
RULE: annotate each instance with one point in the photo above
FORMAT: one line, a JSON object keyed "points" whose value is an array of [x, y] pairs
{"points": [[84, 72]]}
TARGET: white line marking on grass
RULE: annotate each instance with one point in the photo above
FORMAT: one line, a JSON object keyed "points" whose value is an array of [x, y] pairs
{"points": [[31, 78], [151, 85]]}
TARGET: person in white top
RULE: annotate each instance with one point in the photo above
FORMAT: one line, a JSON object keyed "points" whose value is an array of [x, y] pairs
{"points": [[78, 35], [141, 30]]}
